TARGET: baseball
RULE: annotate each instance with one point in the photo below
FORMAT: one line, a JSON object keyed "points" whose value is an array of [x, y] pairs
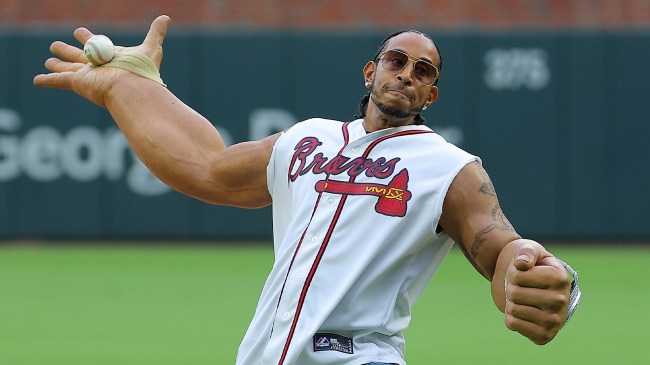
{"points": [[99, 49]]}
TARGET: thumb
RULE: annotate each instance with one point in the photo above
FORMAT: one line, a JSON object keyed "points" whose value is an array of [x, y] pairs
{"points": [[525, 258], [154, 40], [157, 31]]}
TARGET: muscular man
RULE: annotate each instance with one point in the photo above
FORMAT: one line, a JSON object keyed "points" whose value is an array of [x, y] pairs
{"points": [[364, 212]]}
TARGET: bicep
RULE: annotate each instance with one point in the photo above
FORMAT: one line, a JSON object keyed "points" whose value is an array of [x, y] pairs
{"points": [[474, 219]]}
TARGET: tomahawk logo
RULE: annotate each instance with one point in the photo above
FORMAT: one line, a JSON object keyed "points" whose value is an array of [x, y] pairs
{"points": [[391, 200]]}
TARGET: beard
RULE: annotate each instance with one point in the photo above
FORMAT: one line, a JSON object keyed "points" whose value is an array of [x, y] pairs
{"points": [[393, 111]]}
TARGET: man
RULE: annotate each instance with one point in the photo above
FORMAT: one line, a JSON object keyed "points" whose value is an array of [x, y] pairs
{"points": [[364, 212]]}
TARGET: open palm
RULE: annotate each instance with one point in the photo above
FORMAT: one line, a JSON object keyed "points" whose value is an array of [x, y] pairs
{"points": [[70, 70]]}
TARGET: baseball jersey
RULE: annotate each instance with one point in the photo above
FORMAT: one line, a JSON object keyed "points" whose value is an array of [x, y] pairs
{"points": [[355, 242]]}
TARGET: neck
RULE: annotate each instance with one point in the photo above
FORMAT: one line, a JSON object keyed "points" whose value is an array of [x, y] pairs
{"points": [[381, 116], [377, 119], [373, 125]]}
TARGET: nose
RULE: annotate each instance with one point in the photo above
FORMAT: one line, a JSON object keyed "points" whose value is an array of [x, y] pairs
{"points": [[406, 74]]}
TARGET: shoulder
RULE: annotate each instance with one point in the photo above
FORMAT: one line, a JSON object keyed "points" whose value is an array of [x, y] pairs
{"points": [[313, 127], [315, 123], [442, 151]]}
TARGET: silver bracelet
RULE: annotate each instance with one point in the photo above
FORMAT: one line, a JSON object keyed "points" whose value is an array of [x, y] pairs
{"points": [[575, 295]]}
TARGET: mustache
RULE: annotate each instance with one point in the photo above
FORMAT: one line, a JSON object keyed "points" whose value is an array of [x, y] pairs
{"points": [[401, 87]]}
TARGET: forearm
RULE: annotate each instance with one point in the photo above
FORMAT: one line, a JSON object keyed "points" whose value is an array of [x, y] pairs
{"points": [[173, 140]]}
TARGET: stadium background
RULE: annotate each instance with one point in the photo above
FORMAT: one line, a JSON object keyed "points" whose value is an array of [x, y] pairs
{"points": [[551, 94]]}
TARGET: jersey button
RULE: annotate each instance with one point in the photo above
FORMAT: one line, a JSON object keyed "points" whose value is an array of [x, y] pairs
{"points": [[355, 149], [330, 201], [314, 238], [287, 315]]}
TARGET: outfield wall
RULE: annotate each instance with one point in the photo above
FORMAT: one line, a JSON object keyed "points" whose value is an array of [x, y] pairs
{"points": [[559, 119]]}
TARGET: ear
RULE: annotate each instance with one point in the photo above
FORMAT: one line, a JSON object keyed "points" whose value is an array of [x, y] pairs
{"points": [[433, 95], [369, 71]]}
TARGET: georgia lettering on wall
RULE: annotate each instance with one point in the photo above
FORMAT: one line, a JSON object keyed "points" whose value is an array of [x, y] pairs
{"points": [[516, 68], [86, 153]]}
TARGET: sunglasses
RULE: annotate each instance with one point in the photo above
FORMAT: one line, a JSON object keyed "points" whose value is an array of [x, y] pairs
{"points": [[394, 61]]}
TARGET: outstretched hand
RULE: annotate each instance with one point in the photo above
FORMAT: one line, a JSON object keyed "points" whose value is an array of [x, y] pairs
{"points": [[72, 71], [537, 294]]}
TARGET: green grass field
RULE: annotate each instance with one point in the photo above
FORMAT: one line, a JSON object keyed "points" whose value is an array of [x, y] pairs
{"points": [[175, 304]]}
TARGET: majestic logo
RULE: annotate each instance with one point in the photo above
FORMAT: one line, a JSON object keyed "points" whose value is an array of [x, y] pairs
{"points": [[323, 343], [392, 198], [333, 342]]}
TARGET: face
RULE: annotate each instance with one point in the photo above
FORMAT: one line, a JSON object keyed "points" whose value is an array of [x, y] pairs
{"points": [[402, 93]]}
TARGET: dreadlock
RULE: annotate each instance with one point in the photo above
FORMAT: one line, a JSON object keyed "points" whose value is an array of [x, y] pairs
{"points": [[363, 104]]}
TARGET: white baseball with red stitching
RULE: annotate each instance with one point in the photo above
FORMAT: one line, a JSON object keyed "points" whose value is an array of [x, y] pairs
{"points": [[99, 49]]}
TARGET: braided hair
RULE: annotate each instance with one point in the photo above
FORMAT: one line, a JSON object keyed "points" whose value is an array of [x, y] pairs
{"points": [[363, 104]]}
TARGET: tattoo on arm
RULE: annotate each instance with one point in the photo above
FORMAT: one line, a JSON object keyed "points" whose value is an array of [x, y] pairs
{"points": [[488, 189], [500, 222]]}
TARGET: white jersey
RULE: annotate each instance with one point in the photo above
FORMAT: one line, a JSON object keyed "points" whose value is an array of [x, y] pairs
{"points": [[354, 220]]}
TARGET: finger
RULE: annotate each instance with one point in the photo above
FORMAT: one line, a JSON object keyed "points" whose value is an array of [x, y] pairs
{"points": [[523, 312], [544, 299], [68, 52], [541, 276], [82, 35], [533, 331], [551, 261], [534, 315], [56, 65], [61, 80]]}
